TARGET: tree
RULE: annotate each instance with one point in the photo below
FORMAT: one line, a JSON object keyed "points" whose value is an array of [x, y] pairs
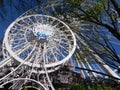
{"points": [[104, 13]]}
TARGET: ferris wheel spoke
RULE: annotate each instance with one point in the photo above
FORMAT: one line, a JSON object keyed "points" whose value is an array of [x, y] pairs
{"points": [[17, 46], [22, 49], [26, 22], [66, 31], [20, 25], [64, 42], [24, 53], [61, 27], [33, 19], [30, 29], [17, 43], [30, 20], [15, 34], [63, 55], [64, 49], [58, 52], [56, 40], [51, 22], [49, 59], [31, 52], [42, 22], [22, 28], [56, 36], [37, 19], [47, 22], [17, 39], [56, 24], [16, 30], [62, 36], [65, 37], [55, 57]]}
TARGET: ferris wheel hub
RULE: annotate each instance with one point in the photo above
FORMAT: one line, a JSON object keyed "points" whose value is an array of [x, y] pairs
{"points": [[43, 31]]}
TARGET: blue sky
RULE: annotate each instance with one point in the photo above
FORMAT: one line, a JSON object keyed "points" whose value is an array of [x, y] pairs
{"points": [[10, 11]]}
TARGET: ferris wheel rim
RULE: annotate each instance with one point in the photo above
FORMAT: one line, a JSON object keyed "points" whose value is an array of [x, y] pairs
{"points": [[37, 65]]}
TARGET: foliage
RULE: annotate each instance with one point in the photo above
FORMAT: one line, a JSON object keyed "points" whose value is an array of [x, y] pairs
{"points": [[101, 12], [95, 87], [25, 88]]}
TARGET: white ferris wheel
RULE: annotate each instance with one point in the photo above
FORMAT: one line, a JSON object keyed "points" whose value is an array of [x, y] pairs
{"points": [[41, 37], [38, 43]]}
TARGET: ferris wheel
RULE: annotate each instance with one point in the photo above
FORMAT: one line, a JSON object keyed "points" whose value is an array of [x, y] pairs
{"points": [[37, 41], [40, 38]]}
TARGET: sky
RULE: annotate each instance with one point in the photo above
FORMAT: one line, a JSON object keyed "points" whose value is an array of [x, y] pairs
{"points": [[9, 11]]}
